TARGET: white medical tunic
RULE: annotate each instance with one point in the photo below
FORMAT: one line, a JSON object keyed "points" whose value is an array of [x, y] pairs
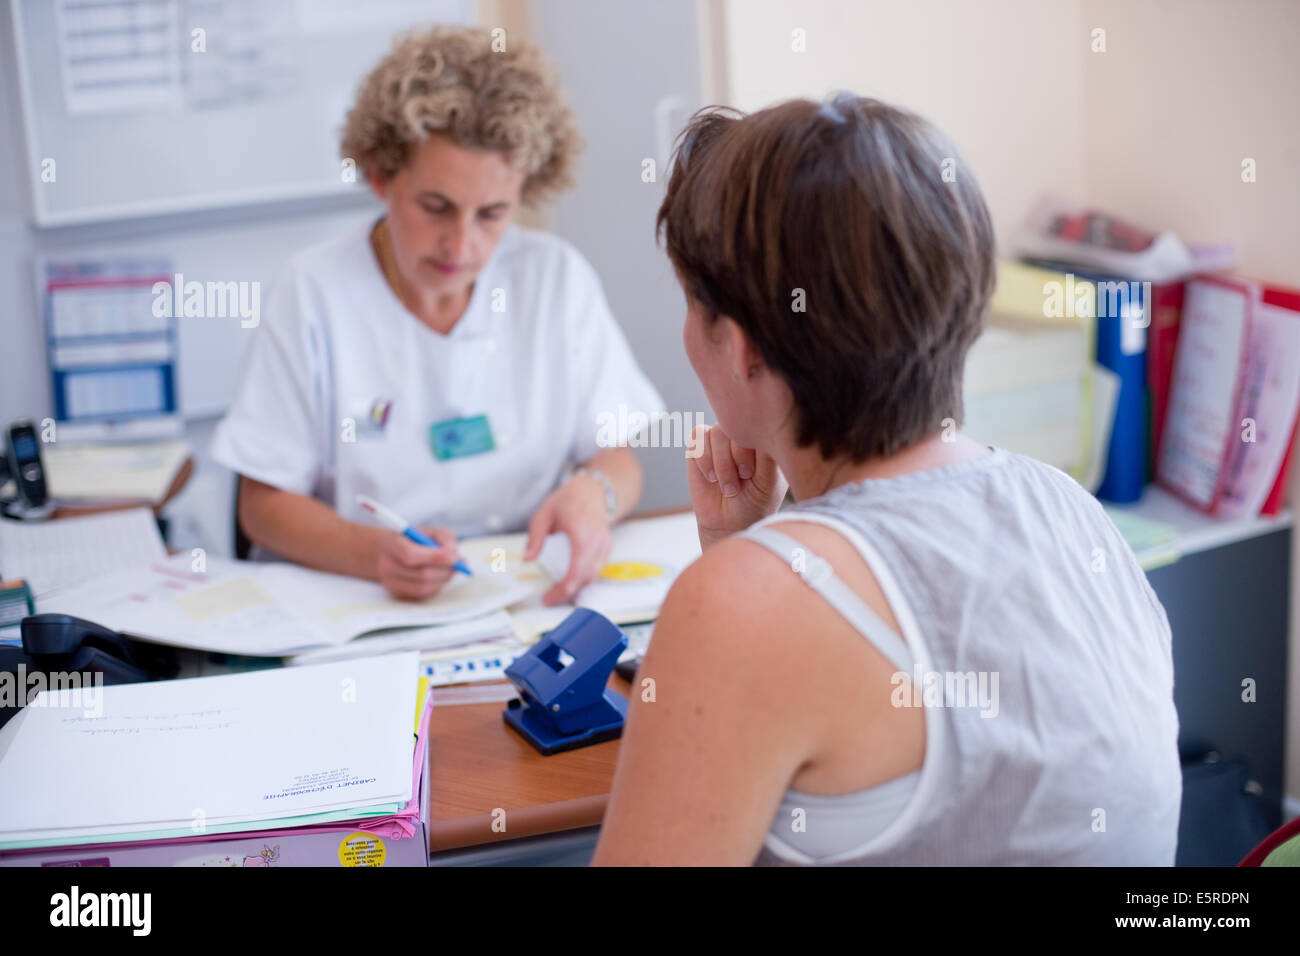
{"points": [[342, 384]]}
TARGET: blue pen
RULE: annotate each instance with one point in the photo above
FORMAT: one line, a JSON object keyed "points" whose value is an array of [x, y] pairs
{"points": [[395, 521]]}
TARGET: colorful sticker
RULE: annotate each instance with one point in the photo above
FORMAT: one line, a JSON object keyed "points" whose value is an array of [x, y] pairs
{"points": [[630, 571], [264, 857], [362, 849], [220, 859]]}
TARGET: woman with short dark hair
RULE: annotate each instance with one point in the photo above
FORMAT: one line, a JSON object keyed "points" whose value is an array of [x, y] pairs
{"points": [[924, 660]]}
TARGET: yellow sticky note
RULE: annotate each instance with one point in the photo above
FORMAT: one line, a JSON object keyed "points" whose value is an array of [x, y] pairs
{"points": [[630, 571], [421, 689]]}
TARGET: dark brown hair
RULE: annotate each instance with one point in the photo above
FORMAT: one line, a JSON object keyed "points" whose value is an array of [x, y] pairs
{"points": [[848, 201]]}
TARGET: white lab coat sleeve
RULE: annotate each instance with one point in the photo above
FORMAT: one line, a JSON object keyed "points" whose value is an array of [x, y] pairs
{"points": [[276, 425], [616, 400]]}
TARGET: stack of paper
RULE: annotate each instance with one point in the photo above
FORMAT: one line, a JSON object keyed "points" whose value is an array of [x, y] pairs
{"points": [[1029, 384], [458, 635], [113, 472], [1154, 543], [269, 749], [56, 554]]}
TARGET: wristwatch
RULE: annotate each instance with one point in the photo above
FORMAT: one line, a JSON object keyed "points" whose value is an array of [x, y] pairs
{"points": [[611, 496]]}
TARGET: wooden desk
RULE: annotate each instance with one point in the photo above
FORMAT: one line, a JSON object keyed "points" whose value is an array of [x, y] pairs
{"points": [[479, 765]]}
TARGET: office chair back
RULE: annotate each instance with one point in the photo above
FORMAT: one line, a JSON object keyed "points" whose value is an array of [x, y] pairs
{"points": [[243, 546], [1279, 848]]}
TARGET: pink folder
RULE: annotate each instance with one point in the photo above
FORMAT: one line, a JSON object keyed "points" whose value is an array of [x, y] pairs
{"points": [[399, 839]]}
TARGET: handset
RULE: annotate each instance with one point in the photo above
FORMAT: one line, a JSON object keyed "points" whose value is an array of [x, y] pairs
{"points": [[25, 464], [73, 644]]}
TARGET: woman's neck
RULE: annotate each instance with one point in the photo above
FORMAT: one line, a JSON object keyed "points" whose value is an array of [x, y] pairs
{"points": [[811, 475], [438, 312]]}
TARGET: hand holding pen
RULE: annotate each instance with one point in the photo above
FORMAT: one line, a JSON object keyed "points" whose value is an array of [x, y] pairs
{"points": [[415, 563]]}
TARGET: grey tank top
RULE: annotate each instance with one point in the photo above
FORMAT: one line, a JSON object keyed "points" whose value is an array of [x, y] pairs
{"points": [[1042, 660]]}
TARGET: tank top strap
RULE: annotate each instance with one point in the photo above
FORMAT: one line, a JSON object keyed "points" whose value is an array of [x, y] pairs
{"points": [[817, 573]]}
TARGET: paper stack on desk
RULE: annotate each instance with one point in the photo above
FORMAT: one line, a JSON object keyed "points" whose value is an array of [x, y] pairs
{"points": [[113, 472], [258, 751], [57, 554], [51, 555]]}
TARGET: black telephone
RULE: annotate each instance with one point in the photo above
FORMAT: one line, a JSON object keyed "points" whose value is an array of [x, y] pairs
{"points": [[23, 463], [66, 644]]}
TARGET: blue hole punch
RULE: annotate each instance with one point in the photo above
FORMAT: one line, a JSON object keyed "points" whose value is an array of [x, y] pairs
{"points": [[563, 701]]}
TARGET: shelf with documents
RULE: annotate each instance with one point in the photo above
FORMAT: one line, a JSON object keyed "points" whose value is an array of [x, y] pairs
{"points": [[1194, 530]]}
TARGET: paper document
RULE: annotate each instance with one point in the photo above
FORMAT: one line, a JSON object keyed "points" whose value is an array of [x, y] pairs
{"points": [[1269, 401], [143, 471], [456, 634], [645, 558], [1154, 543], [268, 609], [119, 55], [58, 554], [1105, 399], [473, 663], [212, 750], [1201, 420]]}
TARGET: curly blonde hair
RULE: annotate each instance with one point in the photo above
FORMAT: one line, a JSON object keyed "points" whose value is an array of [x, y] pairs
{"points": [[450, 81]]}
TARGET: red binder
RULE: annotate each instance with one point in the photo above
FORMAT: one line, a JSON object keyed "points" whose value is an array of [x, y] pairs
{"points": [[1284, 299]]}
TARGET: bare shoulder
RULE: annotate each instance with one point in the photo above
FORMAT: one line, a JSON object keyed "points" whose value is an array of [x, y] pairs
{"points": [[745, 611], [727, 610], [752, 684]]}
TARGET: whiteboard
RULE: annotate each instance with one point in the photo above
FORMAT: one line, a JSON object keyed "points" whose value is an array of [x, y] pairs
{"points": [[254, 116]]}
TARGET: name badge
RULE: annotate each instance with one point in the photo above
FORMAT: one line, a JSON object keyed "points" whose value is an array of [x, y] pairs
{"points": [[461, 437]]}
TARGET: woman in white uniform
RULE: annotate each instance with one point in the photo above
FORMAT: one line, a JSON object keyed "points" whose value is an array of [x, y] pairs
{"points": [[441, 361]]}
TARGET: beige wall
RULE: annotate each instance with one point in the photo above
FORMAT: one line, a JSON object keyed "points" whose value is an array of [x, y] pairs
{"points": [[1186, 90], [1156, 127], [1004, 78]]}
